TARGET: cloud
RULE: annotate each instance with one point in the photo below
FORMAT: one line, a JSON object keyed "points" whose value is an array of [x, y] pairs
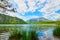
{"points": [[30, 17], [18, 15], [52, 16], [51, 6], [35, 4], [21, 5], [48, 7], [29, 5]]}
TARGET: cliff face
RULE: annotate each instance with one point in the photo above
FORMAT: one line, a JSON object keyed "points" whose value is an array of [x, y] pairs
{"points": [[4, 19]]}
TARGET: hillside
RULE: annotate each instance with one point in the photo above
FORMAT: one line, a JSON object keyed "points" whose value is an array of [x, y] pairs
{"points": [[37, 19], [47, 22], [5, 19], [43, 21]]}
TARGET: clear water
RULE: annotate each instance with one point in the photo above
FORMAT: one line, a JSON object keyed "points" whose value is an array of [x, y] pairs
{"points": [[44, 31]]}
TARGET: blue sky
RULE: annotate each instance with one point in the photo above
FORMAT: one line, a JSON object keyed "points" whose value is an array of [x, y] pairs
{"points": [[35, 13], [58, 11], [27, 9]]}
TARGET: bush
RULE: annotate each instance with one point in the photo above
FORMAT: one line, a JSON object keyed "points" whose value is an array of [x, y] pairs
{"points": [[4, 29], [56, 32], [22, 35], [15, 35], [33, 35]]}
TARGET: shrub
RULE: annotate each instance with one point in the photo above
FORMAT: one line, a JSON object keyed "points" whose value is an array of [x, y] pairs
{"points": [[3, 29], [22, 35], [32, 35], [56, 32], [15, 35]]}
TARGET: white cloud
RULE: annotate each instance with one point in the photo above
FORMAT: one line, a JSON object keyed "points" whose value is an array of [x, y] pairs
{"points": [[33, 5], [49, 9], [30, 17], [51, 6], [15, 15], [21, 5], [52, 16]]}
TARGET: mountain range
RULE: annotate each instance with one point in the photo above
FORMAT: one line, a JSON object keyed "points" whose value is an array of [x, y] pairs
{"points": [[37, 19], [5, 19]]}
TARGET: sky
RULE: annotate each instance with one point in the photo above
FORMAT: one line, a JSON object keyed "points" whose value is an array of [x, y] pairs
{"points": [[27, 9]]}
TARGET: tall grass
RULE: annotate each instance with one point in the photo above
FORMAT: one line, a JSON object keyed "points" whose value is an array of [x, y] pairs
{"points": [[23, 35], [56, 32], [19, 33]]}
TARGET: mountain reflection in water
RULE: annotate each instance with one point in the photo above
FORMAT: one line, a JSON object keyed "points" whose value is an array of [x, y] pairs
{"points": [[45, 32]]}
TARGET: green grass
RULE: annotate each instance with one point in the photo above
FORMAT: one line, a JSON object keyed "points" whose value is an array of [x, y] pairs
{"points": [[7, 29], [46, 22], [5, 19], [56, 32], [18, 33], [22, 35]]}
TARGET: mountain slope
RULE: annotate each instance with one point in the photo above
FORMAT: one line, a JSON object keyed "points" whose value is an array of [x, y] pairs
{"points": [[5, 19], [37, 19]]}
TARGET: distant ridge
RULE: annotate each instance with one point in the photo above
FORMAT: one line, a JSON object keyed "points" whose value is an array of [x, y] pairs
{"points": [[37, 19], [5, 19]]}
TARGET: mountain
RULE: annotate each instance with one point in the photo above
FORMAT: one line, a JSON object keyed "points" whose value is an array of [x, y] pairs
{"points": [[37, 19], [5, 19]]}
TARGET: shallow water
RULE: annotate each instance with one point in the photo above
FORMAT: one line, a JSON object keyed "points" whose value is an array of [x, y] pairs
{"points": [[47, 30]]}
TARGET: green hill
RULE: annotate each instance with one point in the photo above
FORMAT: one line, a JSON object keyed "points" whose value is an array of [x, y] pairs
{"points": [[5, 19]]}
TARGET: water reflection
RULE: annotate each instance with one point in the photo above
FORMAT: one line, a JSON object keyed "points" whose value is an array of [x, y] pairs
{"points": [[44, 32], [49, 34]]}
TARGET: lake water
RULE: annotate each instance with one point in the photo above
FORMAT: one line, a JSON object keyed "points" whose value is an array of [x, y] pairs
{"points": [[44, 31]]}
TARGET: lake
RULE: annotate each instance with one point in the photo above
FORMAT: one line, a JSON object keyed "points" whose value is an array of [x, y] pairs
{"points": [[44, 31]]}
